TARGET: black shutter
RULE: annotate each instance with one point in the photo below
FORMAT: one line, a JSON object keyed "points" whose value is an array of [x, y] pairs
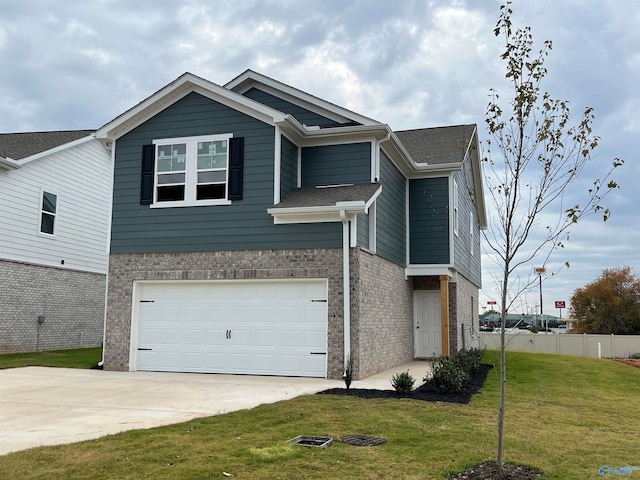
{"points": [[236, 161], [146, 182]]}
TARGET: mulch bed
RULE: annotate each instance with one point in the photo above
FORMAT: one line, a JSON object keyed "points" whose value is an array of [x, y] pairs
{"points": [[634, 362], [484, 471], [426, 392], [490, 471]]}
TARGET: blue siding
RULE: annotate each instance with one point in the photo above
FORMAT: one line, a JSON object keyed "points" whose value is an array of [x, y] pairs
{"points": [[362, 227], [288, 167], [336, 164], [468, 265], [391, 213], [429, 221], [301, 114], [244, 224]]}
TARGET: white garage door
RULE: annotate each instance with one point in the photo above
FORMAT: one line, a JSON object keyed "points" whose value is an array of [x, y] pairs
{"points": [[249, 327]]}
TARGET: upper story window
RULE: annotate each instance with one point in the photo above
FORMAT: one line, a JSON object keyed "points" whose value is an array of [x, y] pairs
{"points": [[192, 171], [48, 209]]}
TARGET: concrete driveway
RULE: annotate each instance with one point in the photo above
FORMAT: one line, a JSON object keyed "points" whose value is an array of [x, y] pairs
{"points": [[50, 406]]}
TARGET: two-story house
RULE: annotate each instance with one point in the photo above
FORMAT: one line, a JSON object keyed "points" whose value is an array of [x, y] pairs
{"points": [[259, 229], [55, 197]]}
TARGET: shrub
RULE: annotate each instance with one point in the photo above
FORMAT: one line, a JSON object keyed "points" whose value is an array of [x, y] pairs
{"points": [[447, 375], [348, 371], [403, 382], [469, 360]]}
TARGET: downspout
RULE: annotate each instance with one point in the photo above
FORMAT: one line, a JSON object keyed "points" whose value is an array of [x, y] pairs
{"points": [[112, 152], [346, 284]]}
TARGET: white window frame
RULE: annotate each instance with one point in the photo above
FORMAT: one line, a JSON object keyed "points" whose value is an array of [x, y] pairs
{"points": [[42, 212], [455, 208], [191, 171]]}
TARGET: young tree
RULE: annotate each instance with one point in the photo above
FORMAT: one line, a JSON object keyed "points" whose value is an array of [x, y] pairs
{"points": [[609, 305], [539, 151]]}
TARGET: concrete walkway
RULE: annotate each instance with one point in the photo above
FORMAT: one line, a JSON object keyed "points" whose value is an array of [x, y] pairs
{"points": [[50, 406]]}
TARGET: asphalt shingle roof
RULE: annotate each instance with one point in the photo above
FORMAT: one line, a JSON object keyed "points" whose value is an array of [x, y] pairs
{"points": [[437, 145], [326, 197], [21, 145]]}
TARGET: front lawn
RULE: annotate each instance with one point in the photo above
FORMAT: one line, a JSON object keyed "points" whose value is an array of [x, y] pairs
{"points": [[78, 358], [567, 416]]}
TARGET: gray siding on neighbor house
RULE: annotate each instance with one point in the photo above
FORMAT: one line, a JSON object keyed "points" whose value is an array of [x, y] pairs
{"points": [[429, 221], [463, 261], [336, 164], [391, 213], [288, 167], [244, 224], [302, 115]]}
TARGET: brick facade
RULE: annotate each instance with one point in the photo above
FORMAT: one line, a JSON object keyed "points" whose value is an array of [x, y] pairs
{"points": [[381, 298], [382, 323], [466, 313], [72, 303]]}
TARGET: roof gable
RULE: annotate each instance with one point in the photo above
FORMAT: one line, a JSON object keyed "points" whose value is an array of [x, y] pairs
{"points": [[174, 91], [250, 79]]}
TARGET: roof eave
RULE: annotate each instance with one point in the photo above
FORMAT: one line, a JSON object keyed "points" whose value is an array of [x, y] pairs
{"points": [[57, 149], [323, 213], [306, 136], [7, 163], [478, 181]]}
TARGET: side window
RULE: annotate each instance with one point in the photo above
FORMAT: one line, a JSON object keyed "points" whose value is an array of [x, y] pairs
{"points": [[455, 208], [48, 211]]}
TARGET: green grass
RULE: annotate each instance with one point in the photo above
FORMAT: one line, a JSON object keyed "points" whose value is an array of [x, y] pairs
{"points": [[78, 358], [565, 415]]}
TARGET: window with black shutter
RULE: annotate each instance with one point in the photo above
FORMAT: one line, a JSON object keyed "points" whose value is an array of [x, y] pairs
{"points": [[192, 171]]}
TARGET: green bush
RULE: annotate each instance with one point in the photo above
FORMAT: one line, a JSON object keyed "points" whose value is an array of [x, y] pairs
{"points": [[469, 360], [447, 375], [403, 382], [450, 374]]}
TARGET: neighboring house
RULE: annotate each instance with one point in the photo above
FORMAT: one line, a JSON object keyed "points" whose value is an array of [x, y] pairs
{"points": [[258, 229], [55, 195]]}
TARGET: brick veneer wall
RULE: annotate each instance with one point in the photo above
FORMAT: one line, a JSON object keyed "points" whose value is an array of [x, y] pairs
{"points": [[382, 314], [381, 298], [124, 269], [466, 305], [71, 301]]}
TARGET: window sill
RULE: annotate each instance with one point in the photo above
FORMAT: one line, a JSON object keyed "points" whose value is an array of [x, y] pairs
{"points": [[202, 203]]}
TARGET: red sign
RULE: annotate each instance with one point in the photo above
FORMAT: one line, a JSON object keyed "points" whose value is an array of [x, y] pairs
{"points": [[560, 304], [491, 302]]}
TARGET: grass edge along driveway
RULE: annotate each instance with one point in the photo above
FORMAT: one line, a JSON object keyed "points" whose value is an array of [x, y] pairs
{"points": [[567, 416]]}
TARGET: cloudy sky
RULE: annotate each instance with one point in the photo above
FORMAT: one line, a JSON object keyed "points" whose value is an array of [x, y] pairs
{"points": [[78, 64]]}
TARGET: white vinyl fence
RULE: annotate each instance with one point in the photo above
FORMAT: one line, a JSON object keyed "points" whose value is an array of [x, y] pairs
{"points": [[586, 345]]}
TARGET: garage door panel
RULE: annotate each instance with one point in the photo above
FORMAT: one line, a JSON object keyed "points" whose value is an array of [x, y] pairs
{"points": [[252, 327]]}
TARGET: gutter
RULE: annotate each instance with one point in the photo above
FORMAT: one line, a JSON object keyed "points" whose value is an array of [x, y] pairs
{"points": [[8, 164]]}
